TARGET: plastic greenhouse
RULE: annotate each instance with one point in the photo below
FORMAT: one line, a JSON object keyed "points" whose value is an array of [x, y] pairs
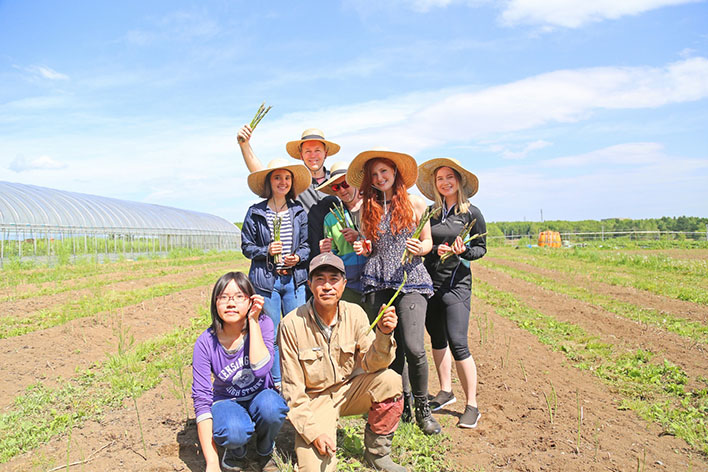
{"points": [[44, 223]]}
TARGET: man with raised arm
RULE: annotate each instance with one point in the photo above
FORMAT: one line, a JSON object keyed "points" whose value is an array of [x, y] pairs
{"points": [[312, 149], [333, 365]]}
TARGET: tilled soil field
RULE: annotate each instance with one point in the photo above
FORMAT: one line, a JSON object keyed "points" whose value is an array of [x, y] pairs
{"points": [[589, 430]]}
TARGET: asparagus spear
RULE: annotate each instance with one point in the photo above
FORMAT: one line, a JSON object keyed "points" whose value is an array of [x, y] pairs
{"points": [[276, 236], [393, 298], [262, 110], [463, 235], [427, 214]]}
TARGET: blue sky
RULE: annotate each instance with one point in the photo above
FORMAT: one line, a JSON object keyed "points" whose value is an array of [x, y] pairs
{"points": [[584, 110]]}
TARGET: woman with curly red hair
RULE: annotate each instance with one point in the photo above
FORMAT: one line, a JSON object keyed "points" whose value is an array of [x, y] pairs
{"points": [[389, 216]]}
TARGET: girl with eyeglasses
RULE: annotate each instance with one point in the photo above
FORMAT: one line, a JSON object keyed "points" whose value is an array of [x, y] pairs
{"points": [[241, 402]]}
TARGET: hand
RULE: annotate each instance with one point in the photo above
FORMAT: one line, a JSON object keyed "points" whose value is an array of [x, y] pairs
{"points": [[458, 246], [324, 445], [326, 245], [244, 134], [257, 302], [276, 247], [388, 321], [362, 247], [443, 249], [350, 235], [291, 260], [414, 246]]}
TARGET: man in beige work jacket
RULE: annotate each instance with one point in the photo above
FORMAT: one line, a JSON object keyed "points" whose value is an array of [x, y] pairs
{"points": [[332, 366]]}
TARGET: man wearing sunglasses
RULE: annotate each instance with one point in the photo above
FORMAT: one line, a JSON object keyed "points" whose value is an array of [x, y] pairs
{"points": [[338, 238]]}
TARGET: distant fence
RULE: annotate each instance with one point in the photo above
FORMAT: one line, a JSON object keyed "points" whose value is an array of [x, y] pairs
{"points": [[603, 235]]}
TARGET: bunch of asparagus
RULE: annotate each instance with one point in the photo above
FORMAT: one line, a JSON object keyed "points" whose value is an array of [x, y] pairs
{"points": [[276, 236], [262, 110], [427, 214], [341, 215], [466, 238], [393, 298]]}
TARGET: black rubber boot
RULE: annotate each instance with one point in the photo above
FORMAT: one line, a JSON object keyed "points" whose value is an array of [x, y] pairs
{"points": [[424, 417], [377, 451]]}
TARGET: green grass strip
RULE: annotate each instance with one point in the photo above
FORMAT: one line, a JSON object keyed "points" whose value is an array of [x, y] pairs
{"points": [[689, 288], [10, 277], [90, 305], [43, 413], [683, 327], [655, 390]]}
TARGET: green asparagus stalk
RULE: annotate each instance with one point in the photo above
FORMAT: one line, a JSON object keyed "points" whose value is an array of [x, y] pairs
{"points": [[262, 110], [427, 214], [393, 298], [276, 236], [463, 235]]}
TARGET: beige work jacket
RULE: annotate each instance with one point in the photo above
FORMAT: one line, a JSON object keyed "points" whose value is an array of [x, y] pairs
{"points": [[311, 366]]}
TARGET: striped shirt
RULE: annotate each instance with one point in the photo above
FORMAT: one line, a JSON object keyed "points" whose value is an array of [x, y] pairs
{"points": [[286, 232]]}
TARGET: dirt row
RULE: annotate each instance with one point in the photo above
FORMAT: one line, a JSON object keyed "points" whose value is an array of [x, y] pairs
{"points": [[24, 307], [688, 310], [515, 432]]}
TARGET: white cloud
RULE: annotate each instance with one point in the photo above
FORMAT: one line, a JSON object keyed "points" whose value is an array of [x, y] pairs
{"points": [[177, 26], [43, 72], [22, 164], [576, 13], [507, 153]]}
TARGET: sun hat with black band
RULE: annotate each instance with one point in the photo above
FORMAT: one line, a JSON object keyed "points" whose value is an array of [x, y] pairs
{"points": [[405, 165], [301, 177], [336, 172], [426, 177], [311, 134]]}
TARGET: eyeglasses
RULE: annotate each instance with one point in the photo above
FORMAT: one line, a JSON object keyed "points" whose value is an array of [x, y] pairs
{"points": [[238, 298], [336, 187]]}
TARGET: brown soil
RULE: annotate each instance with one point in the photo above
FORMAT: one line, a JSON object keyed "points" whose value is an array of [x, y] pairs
{"points": [[514, 433]]}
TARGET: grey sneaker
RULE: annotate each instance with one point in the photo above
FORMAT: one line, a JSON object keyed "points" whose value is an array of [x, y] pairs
{"points": [[470, 417], [232, 462], [442, 399], [267, 463]]}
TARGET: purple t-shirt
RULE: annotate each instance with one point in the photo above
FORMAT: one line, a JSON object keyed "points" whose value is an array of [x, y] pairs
{"points": [[234, 376]]}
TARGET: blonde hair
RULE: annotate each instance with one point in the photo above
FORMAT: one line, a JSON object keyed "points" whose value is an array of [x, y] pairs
{"points": [[462, 203]]}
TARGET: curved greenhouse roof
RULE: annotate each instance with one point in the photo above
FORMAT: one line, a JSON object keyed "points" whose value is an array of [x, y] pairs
{"points": [[41, 208]]}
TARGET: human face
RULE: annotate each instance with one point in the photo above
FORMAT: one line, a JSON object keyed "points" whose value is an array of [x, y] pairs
{"points": [[281, 181], [313, 154], [327, 286], [446, 182], [383, 176], [343, 190], [232, 304]]}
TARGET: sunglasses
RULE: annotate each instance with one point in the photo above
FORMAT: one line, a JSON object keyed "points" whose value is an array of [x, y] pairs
{"points": [[336, 187]]}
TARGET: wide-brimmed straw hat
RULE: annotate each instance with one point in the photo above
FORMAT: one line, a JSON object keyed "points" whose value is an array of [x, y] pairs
{"points": [[336, 172], [311, 134], [426, 177], [301, 177], [405, 165]]}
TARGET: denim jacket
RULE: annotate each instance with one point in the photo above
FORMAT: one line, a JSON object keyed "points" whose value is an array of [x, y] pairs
{"points": [[255, 238]]}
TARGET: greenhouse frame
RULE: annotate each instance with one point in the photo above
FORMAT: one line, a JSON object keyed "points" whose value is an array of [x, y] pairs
{"points": [[44, 224]]}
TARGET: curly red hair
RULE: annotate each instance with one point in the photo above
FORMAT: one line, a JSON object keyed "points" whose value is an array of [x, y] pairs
{"points": [[403, 216]]}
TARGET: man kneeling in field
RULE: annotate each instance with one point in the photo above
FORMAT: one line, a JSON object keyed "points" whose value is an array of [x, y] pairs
{"points": [[333, 365]]}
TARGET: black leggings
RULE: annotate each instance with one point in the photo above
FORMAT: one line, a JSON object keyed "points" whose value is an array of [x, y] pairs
{"points": [[447, 320], [410, 336]]}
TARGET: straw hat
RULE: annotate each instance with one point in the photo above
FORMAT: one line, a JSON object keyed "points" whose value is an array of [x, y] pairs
{"points": [[311, 134], [336, 172], [301, 177], [426, 179], [405, 164]]}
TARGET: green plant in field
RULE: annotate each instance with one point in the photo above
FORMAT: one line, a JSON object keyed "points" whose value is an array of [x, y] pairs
{"points": [[657, 391], [551, 402]]}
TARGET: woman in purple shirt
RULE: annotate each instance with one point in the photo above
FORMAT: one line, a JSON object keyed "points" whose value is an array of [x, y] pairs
{"points": [[238, 351]]}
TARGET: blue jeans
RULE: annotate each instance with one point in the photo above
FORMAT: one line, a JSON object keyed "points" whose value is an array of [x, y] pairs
{"points": [[235, 422], [284, 298]]}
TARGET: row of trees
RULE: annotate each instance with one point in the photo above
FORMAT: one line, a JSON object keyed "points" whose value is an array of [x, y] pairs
{"points": [[666, 223]]}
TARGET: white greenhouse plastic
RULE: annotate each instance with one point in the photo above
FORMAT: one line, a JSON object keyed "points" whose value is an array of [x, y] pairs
{"points": [[43, 222]]}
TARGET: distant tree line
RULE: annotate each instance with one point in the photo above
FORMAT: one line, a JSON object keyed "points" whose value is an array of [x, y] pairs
{"points": [[666, 223]]}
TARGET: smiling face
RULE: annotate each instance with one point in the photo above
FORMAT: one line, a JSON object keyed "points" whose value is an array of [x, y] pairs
{"points": [[383, 176], [344, 191], [327, 286], [232, 304], [313, 154], [281, 181], [446, 182]]}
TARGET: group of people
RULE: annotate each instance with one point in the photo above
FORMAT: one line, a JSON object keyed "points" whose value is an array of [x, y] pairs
{"points": [[329, 248]]}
